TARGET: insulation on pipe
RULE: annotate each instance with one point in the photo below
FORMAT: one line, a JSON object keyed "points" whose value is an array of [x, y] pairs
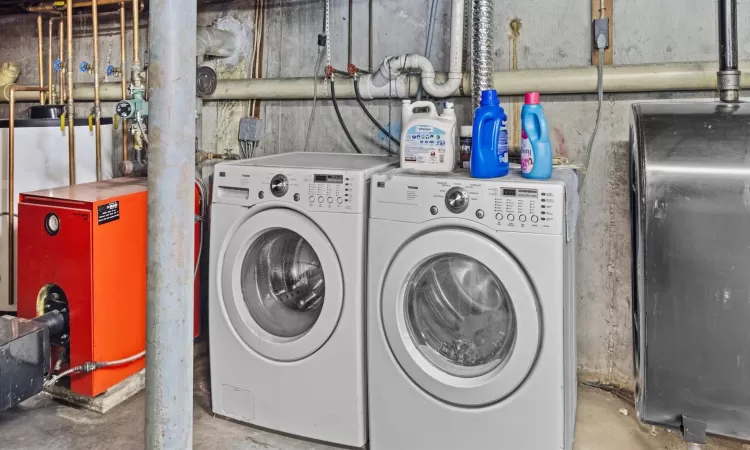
{"points": [[694, 76], [211, 41]]}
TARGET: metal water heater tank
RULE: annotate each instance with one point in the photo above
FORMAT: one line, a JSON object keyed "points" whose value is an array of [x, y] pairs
{"points": [[41, 163]]}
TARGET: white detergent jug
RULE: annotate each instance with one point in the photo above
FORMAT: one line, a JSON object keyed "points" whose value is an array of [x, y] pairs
{"points": [[428, 139]]}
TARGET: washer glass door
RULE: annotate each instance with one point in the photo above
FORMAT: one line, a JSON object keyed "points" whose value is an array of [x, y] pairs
{"points": [[461, 317], [281, 284]]}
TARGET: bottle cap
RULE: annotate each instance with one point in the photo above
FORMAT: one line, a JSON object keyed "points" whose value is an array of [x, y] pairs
{"points": [[532, 98], [467, 130], [489, 98]]}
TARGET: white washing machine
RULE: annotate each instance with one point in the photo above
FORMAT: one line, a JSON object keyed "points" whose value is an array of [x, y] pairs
{"points": [[287, 286], [471, 314]]}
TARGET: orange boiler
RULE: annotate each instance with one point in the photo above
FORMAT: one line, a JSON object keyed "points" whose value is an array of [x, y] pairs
{"points": [[82, 250]]}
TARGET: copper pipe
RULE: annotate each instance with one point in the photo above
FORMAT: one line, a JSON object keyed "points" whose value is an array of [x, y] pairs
{"points": [[71, 108], [50, 7], [61, 75], [97, 101], [11, 200], [51, 93], [40, 53], [124, 80], [136, 40]]}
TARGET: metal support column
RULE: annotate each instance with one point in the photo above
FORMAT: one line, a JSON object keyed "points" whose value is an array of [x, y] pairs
{"points": [[171, 134]]}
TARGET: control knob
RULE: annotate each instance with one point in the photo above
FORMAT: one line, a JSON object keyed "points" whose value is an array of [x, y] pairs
{"points": [[456, 200], [279, 185]]}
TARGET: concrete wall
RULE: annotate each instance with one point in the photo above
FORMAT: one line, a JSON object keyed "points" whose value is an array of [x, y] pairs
{"points": [[554, 34]]}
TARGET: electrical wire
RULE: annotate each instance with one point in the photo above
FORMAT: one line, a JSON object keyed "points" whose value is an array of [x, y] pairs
{"points": [[327, 28], [600, 93], [318, 61], [341, 119], [374, 121], [203, 211], [89, 367]]}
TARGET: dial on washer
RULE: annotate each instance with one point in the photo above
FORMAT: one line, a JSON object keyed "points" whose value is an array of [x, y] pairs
{"points": [[456, 200], [279, 185]]}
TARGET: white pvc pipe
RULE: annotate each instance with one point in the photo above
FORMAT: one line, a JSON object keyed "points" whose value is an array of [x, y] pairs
{"points": [[697, 76], [387, 81]]}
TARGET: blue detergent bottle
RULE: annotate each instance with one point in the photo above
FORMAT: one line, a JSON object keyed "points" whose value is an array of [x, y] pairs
{"points": [[536, 150], [489, 145]]}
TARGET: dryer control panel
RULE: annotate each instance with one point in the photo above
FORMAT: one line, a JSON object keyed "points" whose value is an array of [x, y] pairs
{"points": [[313, 190], [503, 204]]}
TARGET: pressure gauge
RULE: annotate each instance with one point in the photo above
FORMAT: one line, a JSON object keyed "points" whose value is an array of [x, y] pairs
{"points": [[52, 224], [124, 109]]}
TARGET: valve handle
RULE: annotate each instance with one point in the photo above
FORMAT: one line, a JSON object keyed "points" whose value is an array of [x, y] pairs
{"points": [[84, 67], [62, 122], [57, 65], [116, 121], [111, 70], [91, 122]]}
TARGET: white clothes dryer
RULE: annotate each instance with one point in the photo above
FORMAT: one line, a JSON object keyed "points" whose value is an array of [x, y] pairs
{"points": [[471, 314], [287, 286]]}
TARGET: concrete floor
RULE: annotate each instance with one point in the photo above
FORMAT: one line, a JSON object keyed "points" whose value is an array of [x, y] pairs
{"points": [[42, 423]]}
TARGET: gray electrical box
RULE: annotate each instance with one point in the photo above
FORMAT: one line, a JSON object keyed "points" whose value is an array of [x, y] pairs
{"points": [[251, 129]]}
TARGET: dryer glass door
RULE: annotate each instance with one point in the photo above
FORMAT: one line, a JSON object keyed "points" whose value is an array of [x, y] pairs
{"points": [[281, 284], [461, 317]]}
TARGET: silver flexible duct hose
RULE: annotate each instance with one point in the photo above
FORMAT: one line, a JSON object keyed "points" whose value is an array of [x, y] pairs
{"points": [[482, 49]]}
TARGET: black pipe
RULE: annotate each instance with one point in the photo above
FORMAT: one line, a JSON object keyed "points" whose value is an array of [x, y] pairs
{"points": [[341, 119], [372, 119], [728, 55], [728, 77], [53, 320]]}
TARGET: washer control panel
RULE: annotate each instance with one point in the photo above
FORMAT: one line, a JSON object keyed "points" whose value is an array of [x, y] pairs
{"points": [[310, 189], [508, 204]]}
